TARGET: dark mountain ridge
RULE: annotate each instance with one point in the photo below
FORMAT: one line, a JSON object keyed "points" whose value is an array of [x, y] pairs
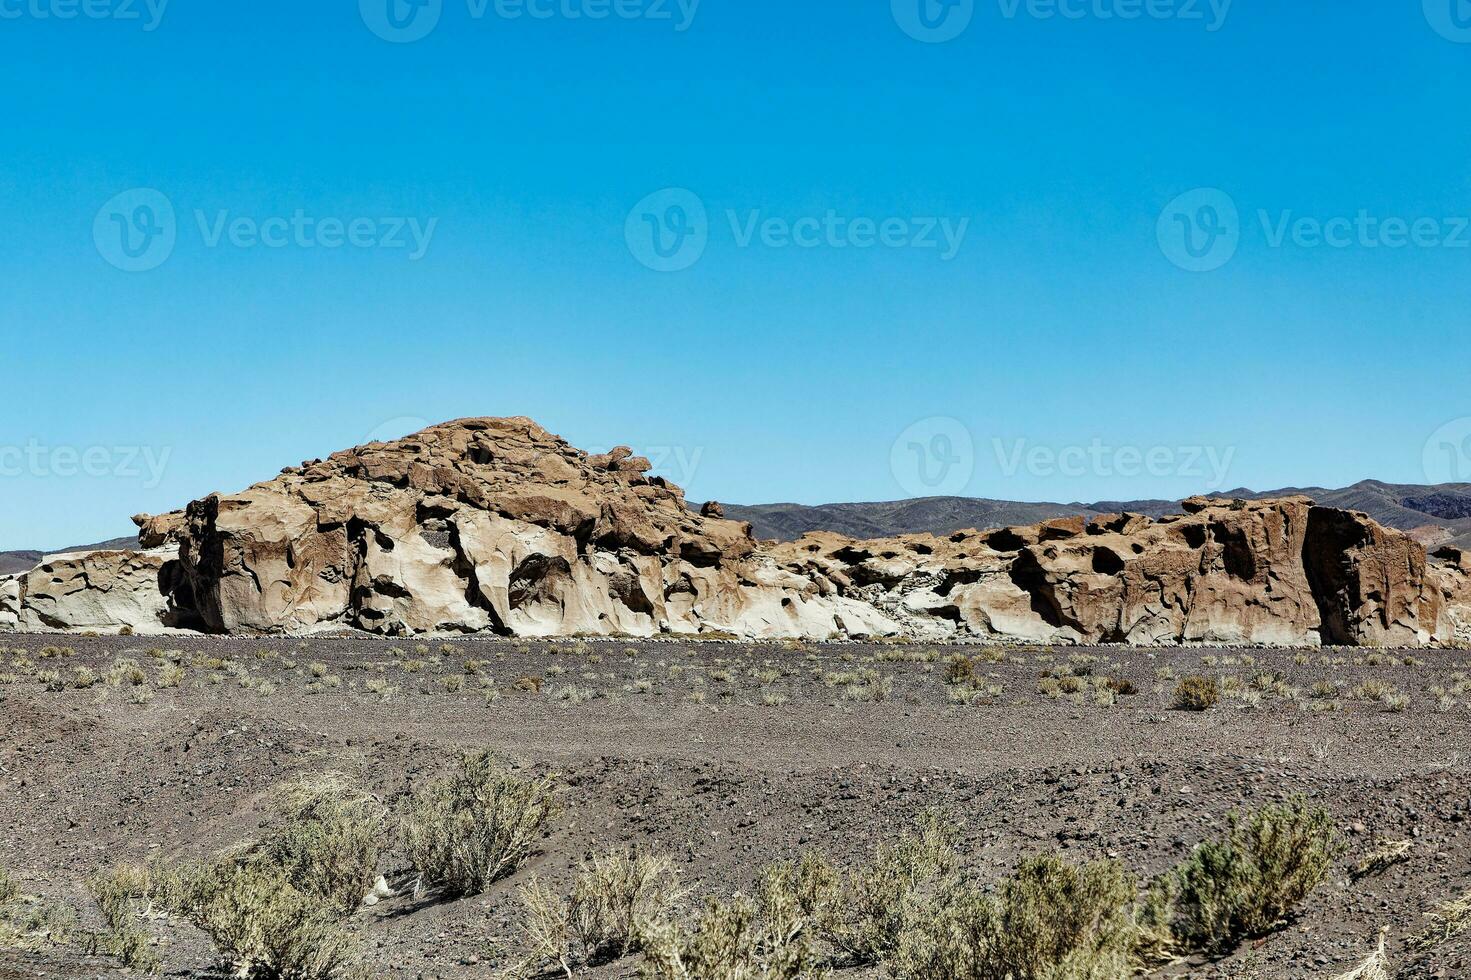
{"points": [[1439, 514]]}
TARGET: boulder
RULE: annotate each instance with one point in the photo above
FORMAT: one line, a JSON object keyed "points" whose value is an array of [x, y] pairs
{"points": [[10, 603], [101, 591]]}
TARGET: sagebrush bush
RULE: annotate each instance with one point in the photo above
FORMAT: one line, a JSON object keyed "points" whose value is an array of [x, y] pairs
{"points": [[1197, 693], [882, 901], [1247, 883], [117, 893], [614, 897], [273, 906], [327, 844], [477, 826], [799, 899], [1048, 921], [265, 927], [725, 944]]}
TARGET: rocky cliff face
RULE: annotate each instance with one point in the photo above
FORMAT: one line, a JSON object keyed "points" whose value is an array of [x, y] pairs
{"points": [[497, 525]]}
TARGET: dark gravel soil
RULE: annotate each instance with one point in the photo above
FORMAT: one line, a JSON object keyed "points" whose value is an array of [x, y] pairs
{"points": [[728, 756]]}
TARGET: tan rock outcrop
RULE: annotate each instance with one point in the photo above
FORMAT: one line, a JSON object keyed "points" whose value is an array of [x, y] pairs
{"points": [[498, 525], [102, 591], [481, 524], [1277, 572], [10, 602]]}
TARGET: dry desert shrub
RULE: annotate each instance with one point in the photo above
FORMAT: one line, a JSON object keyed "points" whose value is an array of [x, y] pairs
{"points": [[799, 899], [726, 943], [1376, 967], [272, 906], [27, 923], [117, 893], [614, 901], [475, 827], [265, 927], [1247, 883], [1447, 921], [1385, 855], [1048, 920], [881, 902], [328, 842], [1197, 693]]}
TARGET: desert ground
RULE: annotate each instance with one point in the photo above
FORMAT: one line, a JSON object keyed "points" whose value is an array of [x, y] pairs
{"points": [[725, 757]]}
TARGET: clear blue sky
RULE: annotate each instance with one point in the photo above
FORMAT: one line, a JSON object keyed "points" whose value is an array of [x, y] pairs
{"points": [[770, 373]]}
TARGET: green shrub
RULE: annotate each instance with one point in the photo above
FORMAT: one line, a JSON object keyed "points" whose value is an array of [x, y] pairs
{"points": [[1248, 883], [272, 906], [1197, 693], [476, 827], [1048, 921]]}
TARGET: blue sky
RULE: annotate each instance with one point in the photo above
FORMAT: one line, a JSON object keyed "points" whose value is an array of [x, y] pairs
{"points": [[1065, 348]]}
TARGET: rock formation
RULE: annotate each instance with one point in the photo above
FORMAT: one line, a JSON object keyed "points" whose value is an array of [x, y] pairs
{"points": [[497, 525]]}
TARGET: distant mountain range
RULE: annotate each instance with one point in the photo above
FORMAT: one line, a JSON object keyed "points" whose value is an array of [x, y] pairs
{"points": [[1438, 515], [23, 561]]}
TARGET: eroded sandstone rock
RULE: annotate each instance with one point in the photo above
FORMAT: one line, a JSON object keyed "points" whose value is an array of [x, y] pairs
{"points": [[103, 591]]}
